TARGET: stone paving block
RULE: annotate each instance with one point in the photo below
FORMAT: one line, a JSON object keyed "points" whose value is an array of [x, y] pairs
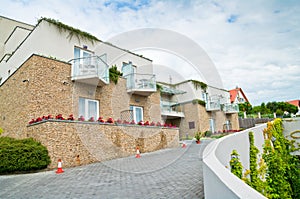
{"points": [[169, 173]]}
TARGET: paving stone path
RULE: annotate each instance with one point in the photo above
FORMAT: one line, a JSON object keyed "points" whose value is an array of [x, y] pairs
{"points": [[168, 173]]}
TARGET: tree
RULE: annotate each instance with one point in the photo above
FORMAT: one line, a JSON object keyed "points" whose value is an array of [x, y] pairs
{"points": [[245, 107]]}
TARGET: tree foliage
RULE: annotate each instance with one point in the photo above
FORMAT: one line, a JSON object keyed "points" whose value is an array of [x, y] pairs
{"points": [[271, 107]]}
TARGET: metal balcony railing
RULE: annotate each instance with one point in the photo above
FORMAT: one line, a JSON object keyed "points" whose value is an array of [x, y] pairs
{"points": [[90, 67]]}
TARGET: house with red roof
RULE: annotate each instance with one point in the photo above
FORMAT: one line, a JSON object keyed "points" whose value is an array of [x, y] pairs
{"points": [[238, 96], [295, 103]]}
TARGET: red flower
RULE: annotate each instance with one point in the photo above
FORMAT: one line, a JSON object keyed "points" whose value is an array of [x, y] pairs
{"points": [[38, 119], [100, 119], [110, 120], [81, 118], [147, 123], [50, 117], [59, 117], [141, 123], [71, 117], [126, 122], [152, 124], [92, 119], [132, 122], [32, 121], [158, 124]]}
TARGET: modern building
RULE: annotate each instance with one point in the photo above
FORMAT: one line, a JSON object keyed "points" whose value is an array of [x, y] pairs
{"points": [[54, 69], [195, 106]]}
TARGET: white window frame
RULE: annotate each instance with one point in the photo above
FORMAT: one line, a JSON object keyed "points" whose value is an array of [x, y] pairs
{"points": [[86, 108], [81, 52], [134, 112]]}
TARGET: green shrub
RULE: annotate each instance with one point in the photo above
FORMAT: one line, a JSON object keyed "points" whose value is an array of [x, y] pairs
{"points": [[208, 133], [22, 155]]}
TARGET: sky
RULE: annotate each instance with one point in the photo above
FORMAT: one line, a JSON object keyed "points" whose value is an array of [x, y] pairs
{"points": [[254, 45]]}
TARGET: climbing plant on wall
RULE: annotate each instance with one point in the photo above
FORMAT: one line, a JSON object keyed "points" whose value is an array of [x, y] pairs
{"points": [[283, 174], [277, 173], [114, 74], [236, 165], [198, 84], [72, 31], [257, 173]]}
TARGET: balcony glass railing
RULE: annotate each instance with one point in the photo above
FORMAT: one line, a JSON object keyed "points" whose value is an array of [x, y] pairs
{"points": [[171, 108], [137, 81], [231, 108], [213, 105], [90, 67]]}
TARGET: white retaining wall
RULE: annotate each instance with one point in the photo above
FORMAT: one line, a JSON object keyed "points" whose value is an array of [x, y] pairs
{"points": [[219, 182]]}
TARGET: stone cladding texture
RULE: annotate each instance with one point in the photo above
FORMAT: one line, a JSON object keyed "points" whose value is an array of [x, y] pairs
{"points": [[79, 143], [43, 86]]}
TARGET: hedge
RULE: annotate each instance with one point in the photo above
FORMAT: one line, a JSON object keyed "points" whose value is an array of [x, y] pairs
{"points": [[19, 155]]}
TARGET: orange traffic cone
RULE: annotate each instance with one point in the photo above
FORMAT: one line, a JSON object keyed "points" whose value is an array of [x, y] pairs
{"points": [[59, 167], [183, 145], [138, 155]]}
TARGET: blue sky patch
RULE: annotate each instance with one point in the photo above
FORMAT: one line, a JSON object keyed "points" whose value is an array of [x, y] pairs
{"points": [[133, 4], [232, 18]]}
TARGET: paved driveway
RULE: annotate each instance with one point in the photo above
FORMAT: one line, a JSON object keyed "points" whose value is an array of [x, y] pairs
{"points": [[168, 173]]}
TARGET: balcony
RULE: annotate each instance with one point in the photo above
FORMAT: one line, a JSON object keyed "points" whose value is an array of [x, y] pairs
{"points": [[90, 70], [213, 106], [140, 84], [230, 108], [171, 110]]}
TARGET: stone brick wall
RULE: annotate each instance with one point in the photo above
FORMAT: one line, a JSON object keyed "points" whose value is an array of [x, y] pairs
{"points": [[37, 88], [78, 143], [197, 113], [234, 119], [51, 91], [43, 86]]}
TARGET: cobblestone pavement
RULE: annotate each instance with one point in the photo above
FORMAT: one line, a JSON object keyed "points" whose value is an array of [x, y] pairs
{"points": [[168, 173]]}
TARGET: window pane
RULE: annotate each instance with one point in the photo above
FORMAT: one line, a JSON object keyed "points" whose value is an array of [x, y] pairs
{"points": [[76, 53], [81, 107], [138, 114], [87, 58], [92, 109]]}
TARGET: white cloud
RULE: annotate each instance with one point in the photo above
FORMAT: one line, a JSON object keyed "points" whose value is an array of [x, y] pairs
{"points": [[254, 44]]}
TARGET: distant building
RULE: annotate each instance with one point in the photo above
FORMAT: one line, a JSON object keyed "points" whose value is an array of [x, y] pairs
{"points": [[238, 96], [295, 103]]}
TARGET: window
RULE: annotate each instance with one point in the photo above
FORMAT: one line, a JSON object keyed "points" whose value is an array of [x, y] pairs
{"points": [[137, 113], [82, 56], [191, 125], [88, 108]]}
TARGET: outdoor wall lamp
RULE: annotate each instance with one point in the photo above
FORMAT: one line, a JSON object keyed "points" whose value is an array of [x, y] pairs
{"points": [[25, 80]]}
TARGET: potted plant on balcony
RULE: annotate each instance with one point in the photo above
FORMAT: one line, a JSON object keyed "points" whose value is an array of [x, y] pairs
{"points": [[198, 136]]}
